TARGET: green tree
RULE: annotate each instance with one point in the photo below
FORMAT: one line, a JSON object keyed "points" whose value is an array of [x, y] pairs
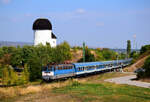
{"points": [[62, 52], [9, 76], [13, 76], [24, 78], [144, 49], [147, 67], [1, 53], [1, 71], [34, 67], [128, 48], [134, 54], [42, 53], [16, 57], [108, 54], [27, 52], [5, 76], [89, 57]]}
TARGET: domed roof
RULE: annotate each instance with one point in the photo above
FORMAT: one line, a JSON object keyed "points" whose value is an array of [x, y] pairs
{"points": [[42, 24]]}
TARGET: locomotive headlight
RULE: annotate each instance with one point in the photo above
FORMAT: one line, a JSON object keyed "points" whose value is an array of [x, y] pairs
{"points": [[43, 73], [47, 73]]}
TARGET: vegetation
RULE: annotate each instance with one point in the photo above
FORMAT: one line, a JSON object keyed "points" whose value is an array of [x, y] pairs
{"points": [[89, 89], [107, 54], [144, 49], [95, 92], [89, 57], [146, 67], [31, 59], [10, 77], [128, 48]]}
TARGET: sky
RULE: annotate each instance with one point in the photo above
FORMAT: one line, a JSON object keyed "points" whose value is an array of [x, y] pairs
{"points": [[98, 23]]}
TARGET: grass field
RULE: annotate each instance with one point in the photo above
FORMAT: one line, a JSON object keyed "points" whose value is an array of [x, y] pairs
{"points": [[89, 89]]}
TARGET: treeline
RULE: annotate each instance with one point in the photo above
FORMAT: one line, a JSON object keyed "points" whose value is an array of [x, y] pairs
{"points": [[100, 54], [106, 54], [32, 58]]}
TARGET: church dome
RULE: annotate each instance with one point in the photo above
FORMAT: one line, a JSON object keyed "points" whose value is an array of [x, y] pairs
{"points": [[42, 24]]}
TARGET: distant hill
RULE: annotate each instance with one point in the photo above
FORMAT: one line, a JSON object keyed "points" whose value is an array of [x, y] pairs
{"points": [[10, 43], [124, 50]]}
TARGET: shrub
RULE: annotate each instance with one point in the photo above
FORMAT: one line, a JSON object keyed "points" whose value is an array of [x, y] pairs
{"points": [[147, 67], [146, 73], [9, 76], [144, 49]]}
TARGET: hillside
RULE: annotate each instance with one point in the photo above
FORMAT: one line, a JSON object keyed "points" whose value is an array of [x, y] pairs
{"points": [[10, 43], [139, 63]]}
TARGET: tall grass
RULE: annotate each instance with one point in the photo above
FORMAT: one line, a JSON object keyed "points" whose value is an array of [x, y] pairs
{"points": [[6, 92]]}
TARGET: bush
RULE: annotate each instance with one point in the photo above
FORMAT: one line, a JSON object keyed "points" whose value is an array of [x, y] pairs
{"points": [[146, 73], [144, 49], [147, 67], [1, 71], [9, 76]]}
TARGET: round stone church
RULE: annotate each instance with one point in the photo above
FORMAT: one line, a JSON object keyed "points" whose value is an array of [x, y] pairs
{"points": [[43, 32]]}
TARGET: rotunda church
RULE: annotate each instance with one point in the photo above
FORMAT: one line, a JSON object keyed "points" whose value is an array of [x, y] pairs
{"points": [[43, 32]]}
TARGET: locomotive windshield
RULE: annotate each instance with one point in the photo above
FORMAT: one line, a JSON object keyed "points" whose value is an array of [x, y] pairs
{"points": [[47, 68], [44, 68]]}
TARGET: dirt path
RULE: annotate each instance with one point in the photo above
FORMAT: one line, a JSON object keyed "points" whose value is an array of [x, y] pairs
{"points": [[128, 80]]}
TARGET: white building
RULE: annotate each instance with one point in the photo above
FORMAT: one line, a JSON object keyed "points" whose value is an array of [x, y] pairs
{"points": [[43, 32]]}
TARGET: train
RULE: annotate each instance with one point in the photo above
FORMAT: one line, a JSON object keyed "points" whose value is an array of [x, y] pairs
{"points": [[57, 71]]}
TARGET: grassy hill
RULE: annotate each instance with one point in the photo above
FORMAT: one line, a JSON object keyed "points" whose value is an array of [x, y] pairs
{"points": [[139, 62]]}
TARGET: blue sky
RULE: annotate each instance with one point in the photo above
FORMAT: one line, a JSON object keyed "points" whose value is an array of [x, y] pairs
{"points": [[99, 23]]}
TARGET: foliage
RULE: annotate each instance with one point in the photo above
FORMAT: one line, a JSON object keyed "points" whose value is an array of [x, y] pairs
{"points": [[62, 52], [144, 49], [146, 67], [128, 48], [24, 78], [1, 71], [89, 57], [107, 54], [1, 53], [134, 55], [9, 76], [16, 57], [35, 66], [35, 57]]}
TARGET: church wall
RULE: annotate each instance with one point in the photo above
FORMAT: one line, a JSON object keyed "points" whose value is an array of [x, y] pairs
{"points": [[42, 36]]}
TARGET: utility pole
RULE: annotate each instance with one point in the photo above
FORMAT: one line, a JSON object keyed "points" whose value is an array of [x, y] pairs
{"points": [[83, 51]]}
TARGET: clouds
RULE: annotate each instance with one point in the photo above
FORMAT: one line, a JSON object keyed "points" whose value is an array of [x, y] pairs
{"points": [[80, 11], [100, 24], [5, 1]]}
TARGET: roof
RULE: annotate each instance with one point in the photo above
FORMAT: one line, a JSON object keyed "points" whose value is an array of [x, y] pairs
{"points": [[87, 64], [99, 63], [42, 24], [53, 36]]}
